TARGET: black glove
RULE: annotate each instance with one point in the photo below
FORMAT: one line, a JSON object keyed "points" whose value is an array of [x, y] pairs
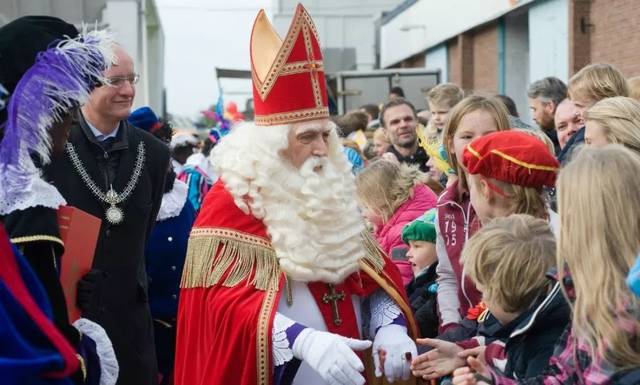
{"points": [[87, 287]]}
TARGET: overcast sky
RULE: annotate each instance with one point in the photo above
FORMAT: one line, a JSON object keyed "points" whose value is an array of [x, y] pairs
{"points": [[199, 36]]}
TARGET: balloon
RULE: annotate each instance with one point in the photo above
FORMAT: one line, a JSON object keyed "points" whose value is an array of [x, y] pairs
{"points": [[232, 108]]}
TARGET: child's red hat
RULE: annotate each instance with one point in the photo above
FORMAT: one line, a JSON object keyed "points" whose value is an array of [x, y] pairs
{"points": [[513, 157]]}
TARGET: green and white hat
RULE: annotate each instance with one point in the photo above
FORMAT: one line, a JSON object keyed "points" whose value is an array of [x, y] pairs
{"points": [[421, 229]]}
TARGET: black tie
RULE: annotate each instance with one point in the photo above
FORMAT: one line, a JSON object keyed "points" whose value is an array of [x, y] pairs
{"points": [[107, 143]]}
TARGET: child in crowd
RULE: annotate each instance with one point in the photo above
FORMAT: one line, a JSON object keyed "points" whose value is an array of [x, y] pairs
{"points": [[352, 127], [506, 174], [354, 155], [507, 259], [441, 99], [598, 244], [420, 235], [393, 195], [430, 139], [588, 86], [473, 117], [614, 120], [380, 142]]}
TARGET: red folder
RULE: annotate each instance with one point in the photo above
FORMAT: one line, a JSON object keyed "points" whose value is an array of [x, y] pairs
{"points": [[79, 231]]}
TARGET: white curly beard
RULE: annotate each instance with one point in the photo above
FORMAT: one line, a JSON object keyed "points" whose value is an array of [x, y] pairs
{"points": [[311, 216]]}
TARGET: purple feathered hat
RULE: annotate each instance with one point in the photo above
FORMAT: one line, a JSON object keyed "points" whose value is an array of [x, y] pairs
{"points": [[61, 78]]}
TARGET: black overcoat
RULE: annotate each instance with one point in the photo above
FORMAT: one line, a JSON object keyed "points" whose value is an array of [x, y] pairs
{"points": [[119, 303]]}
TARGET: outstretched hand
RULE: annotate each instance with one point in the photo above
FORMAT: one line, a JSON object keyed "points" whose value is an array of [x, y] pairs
{"points": [[393, 350], [476, 373], [331, 356], [442, 360], [477, 352]]}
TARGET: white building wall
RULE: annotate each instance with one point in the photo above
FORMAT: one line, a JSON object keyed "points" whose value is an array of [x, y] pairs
{"points": [[549, 39], [517, 62], [437, 59], [155, 68], [340, 23], [430, 22]]}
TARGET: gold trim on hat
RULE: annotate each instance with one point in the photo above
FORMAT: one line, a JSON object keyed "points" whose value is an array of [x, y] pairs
{"points": [[292, 117], [313, 71], [300, 67], [266, 53]]}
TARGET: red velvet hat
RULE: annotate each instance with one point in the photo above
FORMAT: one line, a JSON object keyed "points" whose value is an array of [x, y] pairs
{"points": [[512, 157], [288, 76]]}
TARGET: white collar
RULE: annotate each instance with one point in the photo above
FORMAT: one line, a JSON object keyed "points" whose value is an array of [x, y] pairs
{"points": [[173, 201], [177, 167], [38, 193], [99, 135]]}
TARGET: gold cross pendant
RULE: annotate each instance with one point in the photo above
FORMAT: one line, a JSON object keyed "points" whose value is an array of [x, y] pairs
{"points": [[333, 297]]}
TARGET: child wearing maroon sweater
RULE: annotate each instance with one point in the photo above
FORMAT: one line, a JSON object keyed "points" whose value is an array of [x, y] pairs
{"points": [[473, 117]]}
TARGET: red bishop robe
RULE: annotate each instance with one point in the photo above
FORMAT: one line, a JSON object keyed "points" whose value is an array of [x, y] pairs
{"points": [[230, 290]]}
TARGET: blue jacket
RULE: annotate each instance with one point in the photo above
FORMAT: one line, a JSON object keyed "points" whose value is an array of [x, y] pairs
{"points": [[165, 254], [532, 336]]}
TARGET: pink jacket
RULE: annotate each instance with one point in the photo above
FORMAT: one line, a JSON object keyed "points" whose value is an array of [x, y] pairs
{"points": [[389, 235]]}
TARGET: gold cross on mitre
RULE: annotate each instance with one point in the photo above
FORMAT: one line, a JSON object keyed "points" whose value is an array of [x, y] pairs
{"points": [[333, 297]]}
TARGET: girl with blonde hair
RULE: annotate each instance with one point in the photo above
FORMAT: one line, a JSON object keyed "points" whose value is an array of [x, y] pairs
{"points": [[473, 117], [392, 195], [587, 87], [594, 83], [614, 120], [599, 241], [380, 142]]}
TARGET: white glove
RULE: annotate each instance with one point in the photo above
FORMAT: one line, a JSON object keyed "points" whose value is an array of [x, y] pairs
{"points": [[393, 339], [331, 355]]}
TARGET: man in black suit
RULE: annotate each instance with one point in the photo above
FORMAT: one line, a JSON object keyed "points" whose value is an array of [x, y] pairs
{"points": [[116, 172]]}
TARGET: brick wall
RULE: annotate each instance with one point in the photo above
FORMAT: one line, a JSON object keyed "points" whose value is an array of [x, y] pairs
{"points": [[461, 61], [455, 69], [614, 36], [416, 61], [579, 34], [467, 60], [485, 60]]}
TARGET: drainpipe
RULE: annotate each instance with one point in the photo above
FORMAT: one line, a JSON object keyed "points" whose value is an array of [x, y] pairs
{"points": [[502, 57]]}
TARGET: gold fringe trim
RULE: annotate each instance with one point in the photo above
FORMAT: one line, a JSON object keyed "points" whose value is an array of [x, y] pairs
{"points": [[35, 238], [214, 253], [374, 254]]}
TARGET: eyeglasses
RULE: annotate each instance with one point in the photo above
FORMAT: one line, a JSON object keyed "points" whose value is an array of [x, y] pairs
{"points": [[118, 81]]}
